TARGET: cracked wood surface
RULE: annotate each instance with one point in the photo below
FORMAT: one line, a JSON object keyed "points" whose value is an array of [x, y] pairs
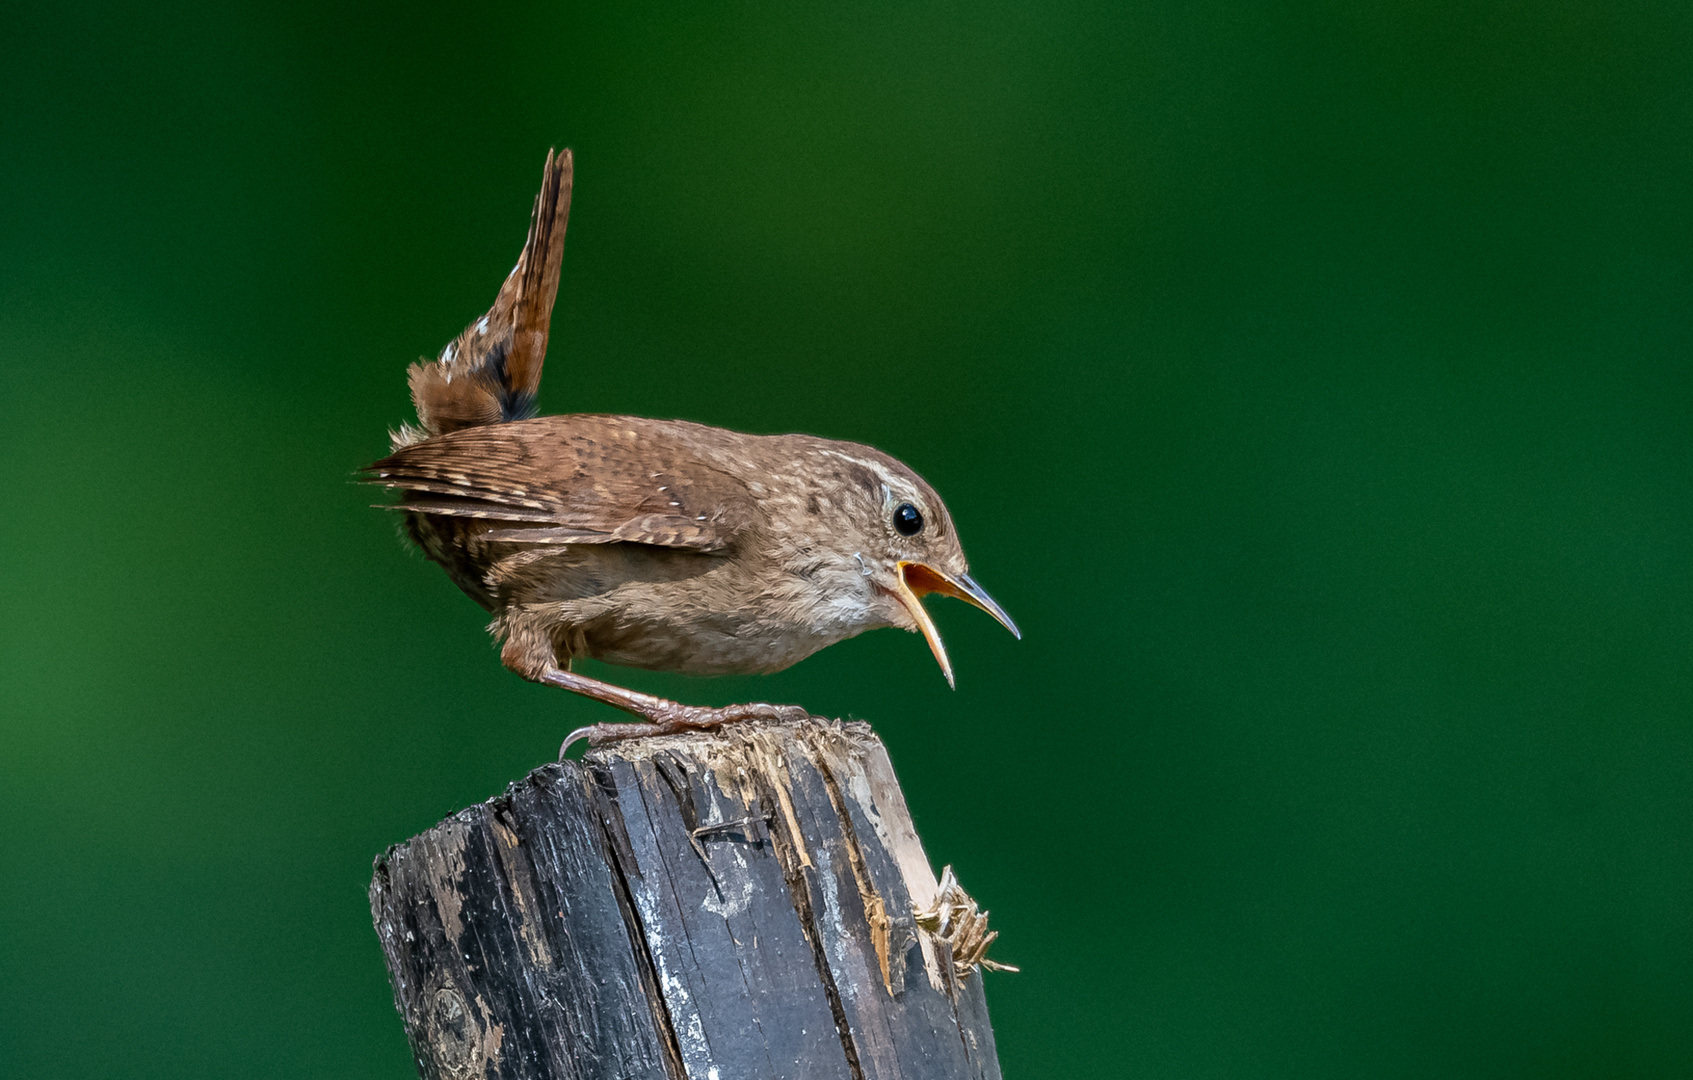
{"points": [[722, 906]]}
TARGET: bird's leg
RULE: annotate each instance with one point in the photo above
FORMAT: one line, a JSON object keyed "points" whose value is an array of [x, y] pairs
{"points": [[529, 652], [662, 716]]}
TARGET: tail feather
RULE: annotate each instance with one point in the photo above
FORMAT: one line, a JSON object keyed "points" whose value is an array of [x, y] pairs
{"points": [[538, 273], [492, 371]]}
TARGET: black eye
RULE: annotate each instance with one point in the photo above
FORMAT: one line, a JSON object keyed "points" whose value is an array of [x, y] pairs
{"points": [[907, 520]]}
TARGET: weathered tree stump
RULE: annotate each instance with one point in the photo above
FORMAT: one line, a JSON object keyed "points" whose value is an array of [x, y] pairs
{"points": [[724, 906]]}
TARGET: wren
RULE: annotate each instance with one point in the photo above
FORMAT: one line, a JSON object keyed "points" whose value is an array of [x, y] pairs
{"points": [[659, 544]]}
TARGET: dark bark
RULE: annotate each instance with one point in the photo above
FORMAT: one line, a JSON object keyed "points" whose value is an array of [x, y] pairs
{"points": [[724, 906]]}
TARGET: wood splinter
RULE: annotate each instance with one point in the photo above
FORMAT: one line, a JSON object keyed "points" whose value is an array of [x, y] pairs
{"points": [[954, 919]]}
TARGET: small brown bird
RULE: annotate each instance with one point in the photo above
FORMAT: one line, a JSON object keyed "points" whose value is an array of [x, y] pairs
{"points": [[657, 544]]}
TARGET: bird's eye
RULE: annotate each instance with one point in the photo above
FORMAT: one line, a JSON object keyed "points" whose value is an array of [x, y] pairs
{"points": [[907, 520]]}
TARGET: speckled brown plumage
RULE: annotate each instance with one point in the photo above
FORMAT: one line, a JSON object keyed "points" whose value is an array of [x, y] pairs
{"points": [[661, 544]]}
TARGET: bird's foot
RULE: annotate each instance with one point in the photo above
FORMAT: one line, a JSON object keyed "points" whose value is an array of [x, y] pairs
{"points": [[662, 716], [674, 718]]}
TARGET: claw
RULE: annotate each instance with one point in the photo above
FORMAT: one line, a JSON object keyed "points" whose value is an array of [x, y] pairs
{"points": [[579, 733]]}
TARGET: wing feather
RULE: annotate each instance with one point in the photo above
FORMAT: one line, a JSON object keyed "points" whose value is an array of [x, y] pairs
{"points": [[573, 480]]}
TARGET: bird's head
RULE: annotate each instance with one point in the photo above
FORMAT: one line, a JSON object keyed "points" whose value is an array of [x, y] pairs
{"points": [[904, 545]]}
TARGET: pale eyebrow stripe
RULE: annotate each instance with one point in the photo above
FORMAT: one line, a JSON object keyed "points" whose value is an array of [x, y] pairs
{"points": [[874, 466]]}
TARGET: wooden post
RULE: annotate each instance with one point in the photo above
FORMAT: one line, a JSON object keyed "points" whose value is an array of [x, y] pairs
{"points": [[724, 906]]}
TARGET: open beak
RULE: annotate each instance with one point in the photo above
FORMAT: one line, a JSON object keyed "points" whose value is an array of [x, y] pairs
{"points": [[919, 579]]}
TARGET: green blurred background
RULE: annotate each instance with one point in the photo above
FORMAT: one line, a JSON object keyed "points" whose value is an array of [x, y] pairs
{"points": [[1310, 380]]}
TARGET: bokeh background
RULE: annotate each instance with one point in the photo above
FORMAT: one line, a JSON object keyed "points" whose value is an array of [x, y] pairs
{"points": [[1311, 380]]}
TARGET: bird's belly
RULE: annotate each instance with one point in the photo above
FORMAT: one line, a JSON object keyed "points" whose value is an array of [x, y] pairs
{"points": [[691, 613], [708, 646], [716, 620]]}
